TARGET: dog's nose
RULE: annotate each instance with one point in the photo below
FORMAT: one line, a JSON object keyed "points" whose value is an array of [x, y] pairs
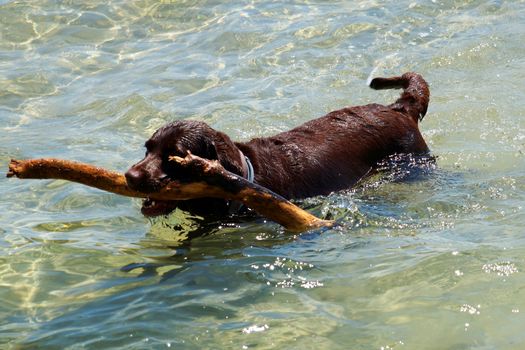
{"points": [[134, 178]]}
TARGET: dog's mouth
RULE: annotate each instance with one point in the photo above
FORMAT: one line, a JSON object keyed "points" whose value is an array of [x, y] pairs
{"points": [[155, 207]]}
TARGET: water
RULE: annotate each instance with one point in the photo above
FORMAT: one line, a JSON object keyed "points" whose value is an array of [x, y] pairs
{"points": [[432, 263]]}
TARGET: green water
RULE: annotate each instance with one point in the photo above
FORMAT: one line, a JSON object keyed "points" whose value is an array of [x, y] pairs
{"points": [[435, 263]]}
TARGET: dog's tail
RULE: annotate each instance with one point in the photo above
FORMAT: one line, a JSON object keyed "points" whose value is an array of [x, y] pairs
{"points": [[415, 97]]}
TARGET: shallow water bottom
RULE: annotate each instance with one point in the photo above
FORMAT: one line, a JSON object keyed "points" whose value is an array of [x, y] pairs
{"points": [[434, 262]]}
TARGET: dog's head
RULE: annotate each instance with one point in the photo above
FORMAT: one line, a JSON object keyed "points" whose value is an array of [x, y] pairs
{"points": [[176, 139]]}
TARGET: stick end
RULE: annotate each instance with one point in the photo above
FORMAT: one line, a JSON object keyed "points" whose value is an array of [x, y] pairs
{"points": [[14, 170]]}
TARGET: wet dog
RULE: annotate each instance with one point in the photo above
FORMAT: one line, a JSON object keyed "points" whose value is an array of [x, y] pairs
{"points": [[321, 156]]}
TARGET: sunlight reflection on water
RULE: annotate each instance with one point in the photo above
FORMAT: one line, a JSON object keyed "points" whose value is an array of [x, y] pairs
{"points": [[430, 262]]}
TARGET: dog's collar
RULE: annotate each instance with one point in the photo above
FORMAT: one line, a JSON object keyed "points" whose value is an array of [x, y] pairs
{"points": [[247, 169]]}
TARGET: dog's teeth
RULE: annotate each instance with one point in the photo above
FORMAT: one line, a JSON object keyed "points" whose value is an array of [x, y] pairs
{"points": [[153, 203]]}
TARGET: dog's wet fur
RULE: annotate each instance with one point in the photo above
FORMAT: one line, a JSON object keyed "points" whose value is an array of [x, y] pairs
{"points": [[321, 156]]}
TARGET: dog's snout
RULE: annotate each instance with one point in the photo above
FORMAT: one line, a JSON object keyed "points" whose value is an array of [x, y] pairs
{"points": [[146, 176], [134, 178]]}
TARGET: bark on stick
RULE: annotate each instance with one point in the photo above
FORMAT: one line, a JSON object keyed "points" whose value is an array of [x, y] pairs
{"points": [[213, 181]]}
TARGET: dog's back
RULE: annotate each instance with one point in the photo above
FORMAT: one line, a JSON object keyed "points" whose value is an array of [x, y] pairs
{"points": [[335, 151]]}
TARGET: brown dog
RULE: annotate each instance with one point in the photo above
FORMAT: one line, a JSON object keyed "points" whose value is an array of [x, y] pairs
{"points": [[323, 155]]}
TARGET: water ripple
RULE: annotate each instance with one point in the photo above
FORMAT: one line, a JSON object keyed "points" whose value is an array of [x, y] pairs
{"points": [[413, 257]]}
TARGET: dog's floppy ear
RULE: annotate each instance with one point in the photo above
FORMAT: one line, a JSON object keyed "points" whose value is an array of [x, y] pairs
{"points": [[227, 153]]}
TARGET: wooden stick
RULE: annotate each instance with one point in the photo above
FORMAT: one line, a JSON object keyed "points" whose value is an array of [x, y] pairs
{"points": [[214, 182]]}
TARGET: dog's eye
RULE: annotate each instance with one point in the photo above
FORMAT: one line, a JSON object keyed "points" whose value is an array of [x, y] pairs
{"points": [[173, 151], [169, 153]]}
